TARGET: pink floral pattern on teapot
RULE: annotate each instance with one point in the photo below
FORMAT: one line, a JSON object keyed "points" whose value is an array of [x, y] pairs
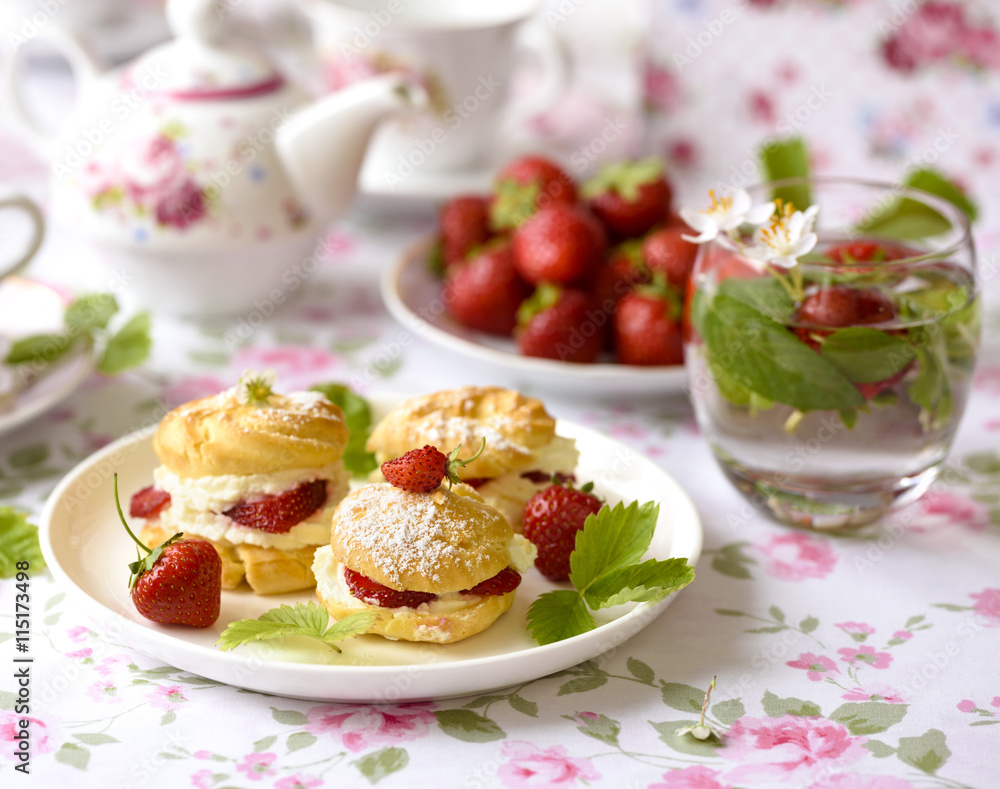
{"points": [[149, 177]]}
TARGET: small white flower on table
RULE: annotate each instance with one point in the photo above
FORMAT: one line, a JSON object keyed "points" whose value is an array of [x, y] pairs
{"points": [[256, 388]]}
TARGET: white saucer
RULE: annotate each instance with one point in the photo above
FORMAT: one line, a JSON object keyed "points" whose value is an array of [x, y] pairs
{"points": [[412, 294], [88, 552]]}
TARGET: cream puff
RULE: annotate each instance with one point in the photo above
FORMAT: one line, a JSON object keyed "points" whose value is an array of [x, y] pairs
{"points": [[260, 480], [522, 454], [436, 567]]}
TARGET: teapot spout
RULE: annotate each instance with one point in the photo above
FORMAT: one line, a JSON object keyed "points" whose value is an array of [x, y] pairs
{"points": [[322, 146]]}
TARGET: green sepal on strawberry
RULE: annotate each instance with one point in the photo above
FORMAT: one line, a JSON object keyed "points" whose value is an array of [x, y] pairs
{"points": [[178, 582], [422, 470], [523, 186], [630, 197]]}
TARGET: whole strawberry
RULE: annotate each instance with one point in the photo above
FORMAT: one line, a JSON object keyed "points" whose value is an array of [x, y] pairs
{"points": [[630, 197], [560, 323], [525, 185], [647, 326], [422, 470], [619, 274], [561, 243], [551, 519], [463, 223], [177, 583], [485, 291], [666, 251]]}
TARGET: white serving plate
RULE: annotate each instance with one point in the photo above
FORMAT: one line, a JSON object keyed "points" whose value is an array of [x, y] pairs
{"points": [[88, 552]]}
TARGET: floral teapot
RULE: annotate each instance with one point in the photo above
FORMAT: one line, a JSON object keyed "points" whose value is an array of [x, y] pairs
{"points": [[204, 178]]}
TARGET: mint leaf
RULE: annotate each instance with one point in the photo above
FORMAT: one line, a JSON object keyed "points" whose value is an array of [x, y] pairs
{"points": [[90, 312], [18, 543], [127, 348], [912, 220], [788, 159], [765, 357], [764, 294], [557, 615], [867, 355], [358, 417], [305, 619], [612, 539], [40, 348], [651, 580]]}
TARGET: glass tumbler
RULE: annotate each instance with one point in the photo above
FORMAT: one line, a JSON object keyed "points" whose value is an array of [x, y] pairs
{"points": [[830, 391]]}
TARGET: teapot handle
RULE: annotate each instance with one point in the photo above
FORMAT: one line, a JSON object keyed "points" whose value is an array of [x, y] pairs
{"points": [[539, 41], [85, 69]]}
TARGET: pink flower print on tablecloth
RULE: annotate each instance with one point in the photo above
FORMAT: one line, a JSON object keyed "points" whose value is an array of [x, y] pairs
{"points": [[815, 665], [797, 557], [966, 705], [875, 692], [107, 666], [947, 508], [859, 631], [202, 779], [787, 751], [257, 765], [697, 777], [80, 653], [987, 605], [866, 655], [988, 380], [361, 727], [859, 781], [298, 781], [939, 30], [531, 767], [77, 633], [661, 88], [43, 736], [297, 367], [903, 635], [103, 692], [168, 697]]}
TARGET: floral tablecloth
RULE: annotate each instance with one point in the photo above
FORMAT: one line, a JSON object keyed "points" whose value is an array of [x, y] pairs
{"points": [[862, 662]]}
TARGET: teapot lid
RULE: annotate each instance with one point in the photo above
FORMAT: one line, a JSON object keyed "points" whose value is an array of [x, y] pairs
{"points": [[198, 64]]}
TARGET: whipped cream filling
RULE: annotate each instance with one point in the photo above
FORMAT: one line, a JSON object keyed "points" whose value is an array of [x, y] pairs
{"points": [[197, 504]]}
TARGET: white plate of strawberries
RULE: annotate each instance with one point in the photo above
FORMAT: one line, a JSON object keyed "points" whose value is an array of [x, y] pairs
{"points": [[563, 284]]}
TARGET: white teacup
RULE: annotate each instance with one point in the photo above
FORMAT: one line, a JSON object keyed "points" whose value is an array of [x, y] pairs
{"points": [[462, 53]]}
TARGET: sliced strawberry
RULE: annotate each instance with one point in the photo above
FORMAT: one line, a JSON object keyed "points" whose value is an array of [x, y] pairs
{"points": [[865, 251], [374, 593], [507, 580], [485, 291], [279, 513], [541, 477], [148, 502]]}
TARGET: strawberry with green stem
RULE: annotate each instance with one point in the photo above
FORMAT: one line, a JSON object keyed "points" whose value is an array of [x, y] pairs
{"points": [[647, 325], [560, 323], [422, 470], [630, 197], [178, 582]]}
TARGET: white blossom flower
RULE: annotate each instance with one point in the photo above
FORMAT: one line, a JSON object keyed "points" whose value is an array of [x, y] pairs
{"points": [[789, 236], [726, 214], [256, 388]]}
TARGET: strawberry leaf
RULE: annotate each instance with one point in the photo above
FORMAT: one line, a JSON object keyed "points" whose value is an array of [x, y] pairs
{"points": [[514, 204], [18, 543], [546, 295], [305, 619], [557, 615], [624, 177], [614, 538], [128, 347], [788, 159], [604, 571], [651, 580]]}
